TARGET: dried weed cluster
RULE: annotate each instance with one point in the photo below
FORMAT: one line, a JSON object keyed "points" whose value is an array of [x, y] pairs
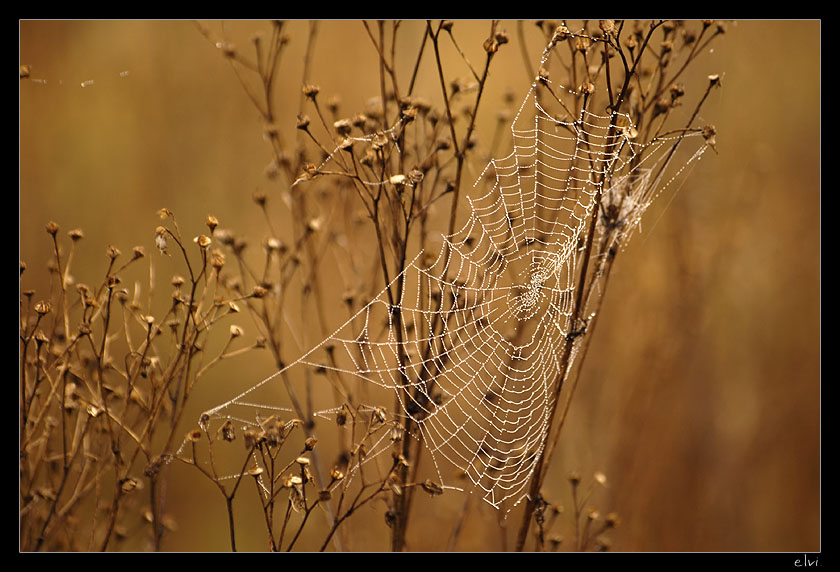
{"points": [[104, 382]]}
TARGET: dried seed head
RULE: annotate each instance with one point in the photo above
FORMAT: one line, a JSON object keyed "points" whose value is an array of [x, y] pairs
{"points": [[43, 308], [255, 471], [341, 416], [302, 122], [302, 461], [309, 444], [612, 520], [560, 34], [432, 487], [661, 106], [601, 478], [379, 414], [128, 484], [582, 44], [714, 80], [211, 222], [112, 252], [709, 132], [574, 478], [227, 431], [607, 26], [76, 234], [677, 91], [52, 228], [202, 241], [160, 239], [311, 91], [194, 436], [25, 70], [251, 438], [336, 474], [587, 88], [259, 292], [235, 331], [343, 127], [217, 260], [324, 496]]}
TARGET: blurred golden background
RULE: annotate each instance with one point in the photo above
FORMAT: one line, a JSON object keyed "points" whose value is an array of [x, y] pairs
{"points": [[700, 397]]}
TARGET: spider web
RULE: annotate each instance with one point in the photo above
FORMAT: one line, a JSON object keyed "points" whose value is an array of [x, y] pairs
{"points": [[473, 346]]}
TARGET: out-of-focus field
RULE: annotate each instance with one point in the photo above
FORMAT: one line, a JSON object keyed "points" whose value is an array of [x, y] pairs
{"points": [[700, 397]]}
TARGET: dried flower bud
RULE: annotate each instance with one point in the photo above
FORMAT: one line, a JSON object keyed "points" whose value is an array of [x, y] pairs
{"points": [[336, 474], [661, 106], [43, 308], [255, 471], [128, 484], [432, 487], [341, 416], [194, 436], [211, 222], [203, 241], [227, 431], [311, 91], [235, 331], [343, 127], [217, 260], [582, 44], [251, 438], [309, 444], [259, 292], [52, 228], [112, 252], [302, 122]]}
